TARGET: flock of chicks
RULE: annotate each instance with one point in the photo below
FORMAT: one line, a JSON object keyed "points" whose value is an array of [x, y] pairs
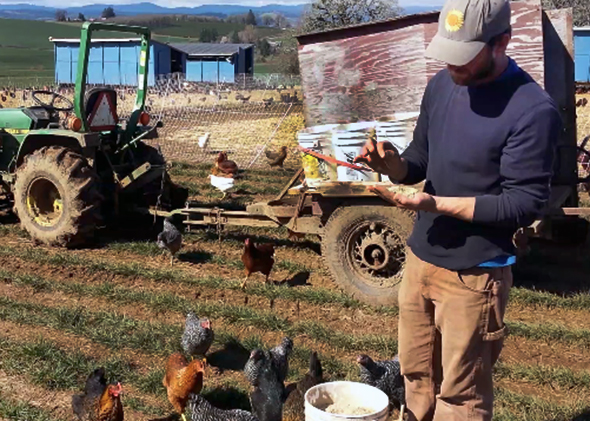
{"points": [[265, 371]]}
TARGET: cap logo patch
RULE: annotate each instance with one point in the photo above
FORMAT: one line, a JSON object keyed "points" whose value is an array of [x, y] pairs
{"points": [[454, 21]]}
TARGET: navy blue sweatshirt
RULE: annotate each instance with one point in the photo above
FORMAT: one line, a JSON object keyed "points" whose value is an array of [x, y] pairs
{"points": [[494, 142]]}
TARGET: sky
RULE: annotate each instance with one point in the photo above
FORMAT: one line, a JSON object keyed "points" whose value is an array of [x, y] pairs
{"points": [[193, 3]]}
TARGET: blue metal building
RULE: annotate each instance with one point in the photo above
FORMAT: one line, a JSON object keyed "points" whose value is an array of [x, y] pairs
{"points": [[115, 61], [582, 53]]}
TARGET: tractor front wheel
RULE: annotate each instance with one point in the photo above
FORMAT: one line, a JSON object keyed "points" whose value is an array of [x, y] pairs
{"points": [[364, 247], [56, 197]]}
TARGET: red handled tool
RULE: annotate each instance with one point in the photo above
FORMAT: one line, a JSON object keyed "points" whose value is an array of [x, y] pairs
{"points": [[333, 160]]}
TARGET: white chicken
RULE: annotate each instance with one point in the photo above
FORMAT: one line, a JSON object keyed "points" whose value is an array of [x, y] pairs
{"points": [[224, 184], [203, 140]]}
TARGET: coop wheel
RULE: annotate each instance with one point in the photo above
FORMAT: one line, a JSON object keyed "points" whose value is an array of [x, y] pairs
{"points": [[56, 197], [364, 250]]}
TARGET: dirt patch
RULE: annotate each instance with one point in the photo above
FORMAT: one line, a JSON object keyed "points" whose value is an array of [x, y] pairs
{"points": [[351, 321], [522, 351], [572, 319]]}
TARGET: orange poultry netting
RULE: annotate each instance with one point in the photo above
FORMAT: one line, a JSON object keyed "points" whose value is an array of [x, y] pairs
{"points": [[244, 118]]}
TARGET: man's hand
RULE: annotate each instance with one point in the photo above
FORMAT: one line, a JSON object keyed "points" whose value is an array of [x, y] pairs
{"points": [[456, 207], [384, 158], [418, 202]]}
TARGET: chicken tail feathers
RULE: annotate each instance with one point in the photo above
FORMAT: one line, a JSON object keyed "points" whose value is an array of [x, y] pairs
{"points": [[315, 367]]}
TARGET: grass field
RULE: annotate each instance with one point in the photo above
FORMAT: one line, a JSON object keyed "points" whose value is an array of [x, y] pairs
{"points": [[63, 313], [26, 54]]}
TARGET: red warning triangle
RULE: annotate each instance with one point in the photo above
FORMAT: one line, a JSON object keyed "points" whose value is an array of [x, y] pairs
{"points": [[104, 115]]}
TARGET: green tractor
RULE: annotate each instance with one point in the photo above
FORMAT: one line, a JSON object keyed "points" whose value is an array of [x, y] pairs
{"points": [[64, 177]]}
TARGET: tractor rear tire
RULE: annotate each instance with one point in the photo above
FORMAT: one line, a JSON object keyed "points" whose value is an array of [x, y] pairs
{"points": [[364, 248], [56, 197]]}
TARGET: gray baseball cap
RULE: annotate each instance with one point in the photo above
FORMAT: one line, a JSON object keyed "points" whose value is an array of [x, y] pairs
{"points": [[464, 28]]}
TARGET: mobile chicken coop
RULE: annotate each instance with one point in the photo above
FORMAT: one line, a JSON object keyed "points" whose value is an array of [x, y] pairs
{"points": [[367, 73]]}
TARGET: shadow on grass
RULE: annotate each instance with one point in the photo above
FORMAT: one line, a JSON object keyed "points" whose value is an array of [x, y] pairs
{"points": [[555, 268], [233, 356], [228, 398], [195, 257], [298, 280]]}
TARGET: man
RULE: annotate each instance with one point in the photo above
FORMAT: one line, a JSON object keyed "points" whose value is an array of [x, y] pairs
{"points": [[484, 144]]}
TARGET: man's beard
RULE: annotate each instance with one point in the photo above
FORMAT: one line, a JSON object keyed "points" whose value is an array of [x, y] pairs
{"points": [[468, 79]]}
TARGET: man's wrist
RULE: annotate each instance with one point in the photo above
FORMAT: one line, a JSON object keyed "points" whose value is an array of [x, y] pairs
{"points": [[400, 172]]}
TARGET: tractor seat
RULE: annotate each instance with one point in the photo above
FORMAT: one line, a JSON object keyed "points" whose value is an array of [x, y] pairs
{"points": [[100, 107]]}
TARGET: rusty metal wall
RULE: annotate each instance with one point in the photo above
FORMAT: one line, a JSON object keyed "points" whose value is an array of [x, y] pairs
{"points": [[370, 71]]}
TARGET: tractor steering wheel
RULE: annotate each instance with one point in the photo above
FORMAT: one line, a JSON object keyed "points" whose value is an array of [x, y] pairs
{"points": [[50, 105]]}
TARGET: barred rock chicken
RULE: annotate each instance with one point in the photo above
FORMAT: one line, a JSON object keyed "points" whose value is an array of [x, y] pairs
{"points": [[280, 358], [385, 376], [202, 410], [99, 402], [266, 398], [257, 258], [295, 404], [277, 159], [198, 335], [182, 379], [225, 166], [170, 238]]}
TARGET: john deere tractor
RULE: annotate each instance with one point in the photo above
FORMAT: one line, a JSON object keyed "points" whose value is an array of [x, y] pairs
{"points": [[65, 176]]}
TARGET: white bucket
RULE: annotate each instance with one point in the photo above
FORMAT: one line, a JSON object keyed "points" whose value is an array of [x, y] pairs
{"points": [[348, 141], [352, 394], [318, 139]]}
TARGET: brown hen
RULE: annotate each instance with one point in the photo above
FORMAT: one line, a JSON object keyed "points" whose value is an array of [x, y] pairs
{"points": [[182, 379], [257, 258], [99, 402], [225, 166]]}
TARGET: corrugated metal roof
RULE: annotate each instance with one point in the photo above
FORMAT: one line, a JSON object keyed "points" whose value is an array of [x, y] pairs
{"points": [[206, 49]]}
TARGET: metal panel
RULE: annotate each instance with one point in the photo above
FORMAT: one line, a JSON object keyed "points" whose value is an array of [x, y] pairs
{"points": [[582, 68], [194, 70], [111, 53], [371, 70], [226, 71], [151, 66], [96, 53], [582, 48], [129, 73], [210, 71], [559, 83], [129, 53], [95, 73], [63, 52], [63, 72], [111, 67]]}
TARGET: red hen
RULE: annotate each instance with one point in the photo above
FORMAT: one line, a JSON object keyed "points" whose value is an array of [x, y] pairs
{"points": [[257, 258]]}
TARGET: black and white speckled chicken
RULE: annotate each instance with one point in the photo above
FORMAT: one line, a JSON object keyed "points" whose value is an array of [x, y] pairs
{"points": [[266, 398], [294, 408], [170, 238], [385, 376], [280, 358], [202, 410], [198, 335]]}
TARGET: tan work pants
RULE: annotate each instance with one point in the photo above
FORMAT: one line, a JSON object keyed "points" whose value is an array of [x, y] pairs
{"points": [[451, 332]]}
